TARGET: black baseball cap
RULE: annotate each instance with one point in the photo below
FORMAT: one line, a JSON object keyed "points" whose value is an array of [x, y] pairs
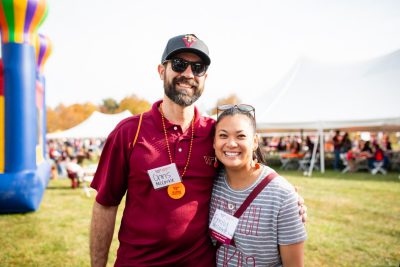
{"points": [[186, 43]]}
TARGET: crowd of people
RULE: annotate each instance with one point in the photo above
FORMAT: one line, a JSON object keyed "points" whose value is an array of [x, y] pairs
{"points": [[70, 153], [67, 156], [373, 151], [287, 144], [345, 150], [351, 152]]}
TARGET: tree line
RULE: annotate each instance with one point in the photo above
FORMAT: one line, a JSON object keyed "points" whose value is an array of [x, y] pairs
{"points": [[63, 117]]}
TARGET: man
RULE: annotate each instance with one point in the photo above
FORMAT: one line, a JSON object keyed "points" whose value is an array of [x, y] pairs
{"points": [[167, 174]]}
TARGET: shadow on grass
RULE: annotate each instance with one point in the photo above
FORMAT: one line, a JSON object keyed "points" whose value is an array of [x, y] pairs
{"points": [[60, 184], [330, 174], [58, 187]]}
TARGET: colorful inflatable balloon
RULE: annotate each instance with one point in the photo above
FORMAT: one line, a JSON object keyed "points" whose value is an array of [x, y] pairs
{"points": [[20, 19], [43, 50], [22, 180]]}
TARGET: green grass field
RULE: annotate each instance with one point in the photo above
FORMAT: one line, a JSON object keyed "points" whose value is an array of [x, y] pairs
{"points": [[353, 220]]}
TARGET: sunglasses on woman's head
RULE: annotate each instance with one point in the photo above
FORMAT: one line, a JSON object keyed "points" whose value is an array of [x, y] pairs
{"points": [[244, 108], [180, 65]]}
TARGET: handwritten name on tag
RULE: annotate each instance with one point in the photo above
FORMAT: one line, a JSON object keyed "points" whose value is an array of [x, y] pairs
{"points": [[223, 226], [164, 176]]}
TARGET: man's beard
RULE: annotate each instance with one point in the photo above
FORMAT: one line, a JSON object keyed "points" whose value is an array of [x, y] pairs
{"points": [[181, 97]]}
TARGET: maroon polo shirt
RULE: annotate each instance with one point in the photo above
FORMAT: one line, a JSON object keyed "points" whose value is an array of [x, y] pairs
{"points": [[157, 230]]}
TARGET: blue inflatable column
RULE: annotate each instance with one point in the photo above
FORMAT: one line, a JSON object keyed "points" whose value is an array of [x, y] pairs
{"points": [[23, 180], [20, 107]]}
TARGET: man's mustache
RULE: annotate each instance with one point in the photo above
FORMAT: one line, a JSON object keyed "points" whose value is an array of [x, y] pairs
{"points": [[184, 80]]}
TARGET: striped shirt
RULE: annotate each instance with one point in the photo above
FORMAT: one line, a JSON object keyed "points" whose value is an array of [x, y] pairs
{"points": [[272, 219]]}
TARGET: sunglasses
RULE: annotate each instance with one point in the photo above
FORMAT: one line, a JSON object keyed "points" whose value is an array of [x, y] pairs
{"points": [[244, 108], [180, 65]]}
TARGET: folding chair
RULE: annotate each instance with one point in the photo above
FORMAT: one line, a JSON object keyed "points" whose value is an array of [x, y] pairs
{"points": [[378, 167], [290, 161], [395, 161], [304, 163], [85, 181]]}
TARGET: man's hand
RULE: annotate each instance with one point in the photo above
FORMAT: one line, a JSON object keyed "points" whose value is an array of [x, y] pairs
{"points": [[302, 206]]}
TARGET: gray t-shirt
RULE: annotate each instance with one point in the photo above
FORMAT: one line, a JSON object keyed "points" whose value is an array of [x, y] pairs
{"points": [[272, 219]]}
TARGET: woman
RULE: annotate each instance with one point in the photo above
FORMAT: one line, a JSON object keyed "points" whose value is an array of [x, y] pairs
{"points": [[269, 232]]}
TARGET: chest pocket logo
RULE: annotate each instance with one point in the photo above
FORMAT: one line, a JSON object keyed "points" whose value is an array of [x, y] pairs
{"points": [[209, 160]]}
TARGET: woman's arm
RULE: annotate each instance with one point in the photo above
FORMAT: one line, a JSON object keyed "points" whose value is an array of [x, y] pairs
{"points": [[292, 255]]}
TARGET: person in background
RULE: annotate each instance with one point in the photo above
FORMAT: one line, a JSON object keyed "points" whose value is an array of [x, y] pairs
{"points": [[388, 152], [346, 143], [295, 146], [368, 153], [337, 146], [379, 156], [387, 145], [75, 171], [378, 152], [269, 232], [309, 145], [281, 147], [351, 157]]}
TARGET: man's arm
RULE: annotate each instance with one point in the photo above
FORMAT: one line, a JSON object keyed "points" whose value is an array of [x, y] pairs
{"points": [[101, 233], [292, 255]]}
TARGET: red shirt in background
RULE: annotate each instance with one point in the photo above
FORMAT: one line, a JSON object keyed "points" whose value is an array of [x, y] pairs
{"points": [[379, 155]]}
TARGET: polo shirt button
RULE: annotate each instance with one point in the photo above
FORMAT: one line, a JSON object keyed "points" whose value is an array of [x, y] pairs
{"points": [[180, 149], [175, 128]]}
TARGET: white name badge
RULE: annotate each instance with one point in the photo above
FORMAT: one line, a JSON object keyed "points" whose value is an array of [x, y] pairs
{"points": [[223, 226], [164, 176]]}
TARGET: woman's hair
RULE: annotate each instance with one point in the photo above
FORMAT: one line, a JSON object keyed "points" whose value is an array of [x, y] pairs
{"points": [[258, 154]]}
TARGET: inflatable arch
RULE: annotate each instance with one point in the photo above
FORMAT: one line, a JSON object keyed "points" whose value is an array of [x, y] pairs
{"points": [[24, 173]]}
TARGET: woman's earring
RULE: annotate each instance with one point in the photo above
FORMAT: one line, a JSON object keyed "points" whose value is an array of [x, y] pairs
{"points": [[255, 161], [216, 163]]}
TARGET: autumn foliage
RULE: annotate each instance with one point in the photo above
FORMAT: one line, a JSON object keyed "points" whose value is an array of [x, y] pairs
{"points": [[64, 117], [231, 99]]}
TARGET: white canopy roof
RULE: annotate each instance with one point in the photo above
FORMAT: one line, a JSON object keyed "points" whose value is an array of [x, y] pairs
{"points": [[97, 125], [321, 96]]}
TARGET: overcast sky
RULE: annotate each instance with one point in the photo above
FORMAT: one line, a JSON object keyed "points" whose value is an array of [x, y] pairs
{"points": [[104, 48]]}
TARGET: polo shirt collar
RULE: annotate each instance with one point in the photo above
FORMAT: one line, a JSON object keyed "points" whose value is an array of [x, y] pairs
{"points": [[198, 125]]}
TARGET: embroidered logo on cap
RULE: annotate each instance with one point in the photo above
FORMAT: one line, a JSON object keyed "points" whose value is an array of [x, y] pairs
{"points": [[189, 40]]}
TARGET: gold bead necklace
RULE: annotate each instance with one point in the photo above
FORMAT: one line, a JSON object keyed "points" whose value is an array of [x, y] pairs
{"points": [[166, 140]]}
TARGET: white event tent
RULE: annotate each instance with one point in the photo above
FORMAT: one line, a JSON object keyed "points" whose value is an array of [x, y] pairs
{"points": [[98, 125], [318, 96]]}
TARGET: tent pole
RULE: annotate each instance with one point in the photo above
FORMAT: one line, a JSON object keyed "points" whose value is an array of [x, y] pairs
{"points": [[322, 150], [313, 156]]}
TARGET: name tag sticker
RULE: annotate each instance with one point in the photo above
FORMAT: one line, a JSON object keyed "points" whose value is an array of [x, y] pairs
{"points": [[223, 226], [164, 176]]}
